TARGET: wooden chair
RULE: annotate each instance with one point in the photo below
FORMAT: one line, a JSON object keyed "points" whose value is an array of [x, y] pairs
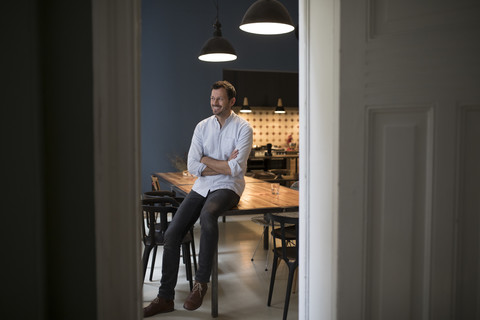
{"points": [[156, 214], [155, 184], [287, 251]]}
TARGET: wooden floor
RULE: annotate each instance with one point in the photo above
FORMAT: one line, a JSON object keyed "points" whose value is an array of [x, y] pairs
{"points": [[243, 284]]}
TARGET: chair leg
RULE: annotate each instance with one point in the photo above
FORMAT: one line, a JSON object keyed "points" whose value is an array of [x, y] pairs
{"points": [[291, 271], [194, 254], [146, 254], [188, 264], [295, 281], [153, 262], [272, 279], [266, 261]]}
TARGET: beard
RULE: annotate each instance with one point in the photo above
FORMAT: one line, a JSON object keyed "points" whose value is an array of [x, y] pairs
{"points": [[217, 109]]}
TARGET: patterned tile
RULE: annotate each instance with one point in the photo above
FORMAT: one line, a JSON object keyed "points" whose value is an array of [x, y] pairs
{"points": [[271, 127]]}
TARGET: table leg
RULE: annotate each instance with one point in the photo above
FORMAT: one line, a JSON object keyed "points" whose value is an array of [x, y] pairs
{"points": [[215, 284], [265, 238]]}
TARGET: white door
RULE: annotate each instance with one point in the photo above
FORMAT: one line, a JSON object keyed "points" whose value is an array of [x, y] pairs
{"points": [[409, 175]]}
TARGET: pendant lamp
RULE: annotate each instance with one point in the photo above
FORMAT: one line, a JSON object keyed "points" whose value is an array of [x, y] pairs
{"points": [[245, 107], [267, 17], [217, 49], [279, 108]]}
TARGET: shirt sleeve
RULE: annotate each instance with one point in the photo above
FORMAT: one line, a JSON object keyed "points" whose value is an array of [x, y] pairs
{"points": [[244, 146], [195, 153]]}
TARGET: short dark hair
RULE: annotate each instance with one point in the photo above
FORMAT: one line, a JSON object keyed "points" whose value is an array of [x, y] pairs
{"points": [[231, 92]]}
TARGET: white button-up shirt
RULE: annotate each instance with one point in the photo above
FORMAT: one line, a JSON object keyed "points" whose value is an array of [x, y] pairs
{"points": [[211, 140]]}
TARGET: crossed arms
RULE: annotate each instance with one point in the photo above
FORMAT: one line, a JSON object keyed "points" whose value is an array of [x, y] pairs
{"points": [[210, 161], [214, 166]]}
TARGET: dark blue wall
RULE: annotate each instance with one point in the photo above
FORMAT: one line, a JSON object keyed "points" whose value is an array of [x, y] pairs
{"points": [[175, 85]]}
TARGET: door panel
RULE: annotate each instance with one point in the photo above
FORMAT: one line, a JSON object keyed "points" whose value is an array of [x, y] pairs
{"points": [[468, 279], [398, 234]]}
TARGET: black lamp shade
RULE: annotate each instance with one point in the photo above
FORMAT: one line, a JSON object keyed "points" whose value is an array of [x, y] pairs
{"points": [[267, 17], [279, 108], [245, 108], [217, 49]]}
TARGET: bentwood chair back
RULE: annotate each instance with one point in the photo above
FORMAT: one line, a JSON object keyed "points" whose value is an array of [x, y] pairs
{"points": [[156, 214], [285, 230], [160, 193]]}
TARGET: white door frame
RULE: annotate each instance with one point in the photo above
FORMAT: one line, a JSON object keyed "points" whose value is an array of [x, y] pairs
{"points": [[319, 139], [116, 52]]}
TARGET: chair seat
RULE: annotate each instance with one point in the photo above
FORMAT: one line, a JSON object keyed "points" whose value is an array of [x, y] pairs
{"points": [[290, 232], [160, 240], [262, 220], [291, 253]]}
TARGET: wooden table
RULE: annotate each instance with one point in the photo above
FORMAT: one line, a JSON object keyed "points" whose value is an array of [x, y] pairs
{"points": [[256, 199], [175, 179]]}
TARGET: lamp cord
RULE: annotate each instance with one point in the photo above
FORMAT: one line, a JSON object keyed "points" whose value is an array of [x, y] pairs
{"points": [[217, 25]]}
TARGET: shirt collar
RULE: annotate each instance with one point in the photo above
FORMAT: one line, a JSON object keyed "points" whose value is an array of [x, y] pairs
{"points": [[230, 117]]}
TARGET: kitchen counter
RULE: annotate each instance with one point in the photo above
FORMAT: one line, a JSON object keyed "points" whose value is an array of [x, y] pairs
{"points": [[286, 161], [275, 156]]}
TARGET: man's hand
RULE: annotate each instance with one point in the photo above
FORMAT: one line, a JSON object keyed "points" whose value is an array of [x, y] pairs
{"points": [[209, 172]]}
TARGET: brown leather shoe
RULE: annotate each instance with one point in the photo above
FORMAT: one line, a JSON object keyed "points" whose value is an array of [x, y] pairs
{"points": [[159, 305], [195, 298]]}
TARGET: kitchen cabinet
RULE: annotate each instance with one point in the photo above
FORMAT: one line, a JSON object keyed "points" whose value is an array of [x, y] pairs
{"points": [[263, 88]]}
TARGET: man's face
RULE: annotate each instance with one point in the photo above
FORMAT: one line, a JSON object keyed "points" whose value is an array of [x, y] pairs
{"points": [[221, 105]]}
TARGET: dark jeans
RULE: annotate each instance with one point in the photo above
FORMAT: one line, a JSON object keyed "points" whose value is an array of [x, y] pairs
{"points": [[193, 206]]}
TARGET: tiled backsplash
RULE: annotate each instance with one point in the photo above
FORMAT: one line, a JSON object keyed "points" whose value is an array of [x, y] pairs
{"points": [[271, 127]]}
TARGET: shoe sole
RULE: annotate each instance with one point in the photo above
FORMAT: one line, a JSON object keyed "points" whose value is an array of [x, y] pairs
{"points": [[151, 315], [184, 307], [163, 311]]}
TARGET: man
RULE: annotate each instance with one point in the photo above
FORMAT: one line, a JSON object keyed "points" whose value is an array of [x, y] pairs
{"points": [[218, 156]]}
